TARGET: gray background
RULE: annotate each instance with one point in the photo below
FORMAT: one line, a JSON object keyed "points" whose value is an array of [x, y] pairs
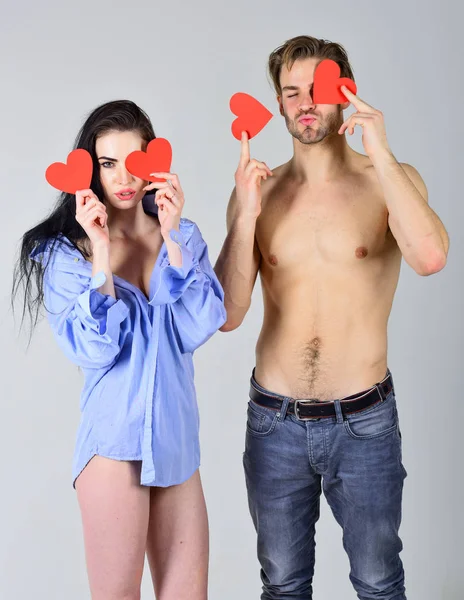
{"points": [[181, 62]]}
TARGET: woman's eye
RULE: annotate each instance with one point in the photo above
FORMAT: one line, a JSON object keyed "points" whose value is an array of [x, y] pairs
{"points": [[107, 165]]}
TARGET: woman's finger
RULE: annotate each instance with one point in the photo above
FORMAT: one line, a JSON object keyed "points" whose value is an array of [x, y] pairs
{"points": [[150, 186], [97, 211], [163, 186], [93, 214], [172, 177], [175, 199], [165, 194], [91, 203], [168, 206], [82, 196]]}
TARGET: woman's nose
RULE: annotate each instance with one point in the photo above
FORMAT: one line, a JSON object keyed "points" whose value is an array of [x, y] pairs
{"points": [[123, 176]]}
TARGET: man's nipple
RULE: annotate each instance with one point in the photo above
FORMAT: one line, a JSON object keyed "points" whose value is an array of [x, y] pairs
{"points": [[273, 260], [361, 252]]}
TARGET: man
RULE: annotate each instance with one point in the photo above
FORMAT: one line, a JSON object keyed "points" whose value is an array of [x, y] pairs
{"points": [[326, 231]]}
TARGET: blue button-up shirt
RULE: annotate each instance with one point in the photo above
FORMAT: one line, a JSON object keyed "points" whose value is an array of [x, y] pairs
{"points": [[138, 400]]}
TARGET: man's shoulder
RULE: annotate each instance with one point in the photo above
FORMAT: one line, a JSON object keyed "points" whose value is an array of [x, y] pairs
{"points": [[271, 184], [410, 171]]}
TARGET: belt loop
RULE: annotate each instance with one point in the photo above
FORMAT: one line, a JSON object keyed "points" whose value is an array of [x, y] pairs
{"points": [[283, 408], [381, 391], [338, 411]]}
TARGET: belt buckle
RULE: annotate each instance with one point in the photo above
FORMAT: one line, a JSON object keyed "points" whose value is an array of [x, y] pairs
{"points": [[297, 414]]}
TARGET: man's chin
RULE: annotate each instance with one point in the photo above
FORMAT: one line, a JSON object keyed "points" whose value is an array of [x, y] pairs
{"points": [[308, 136]]}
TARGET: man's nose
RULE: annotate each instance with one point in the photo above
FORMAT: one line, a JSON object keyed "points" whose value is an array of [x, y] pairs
{"points": [[306, 102]]}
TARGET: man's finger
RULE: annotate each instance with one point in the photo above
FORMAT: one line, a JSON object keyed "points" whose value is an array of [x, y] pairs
{"points": [[258, 165], [356, 100], [245, 150], [258, 174]]}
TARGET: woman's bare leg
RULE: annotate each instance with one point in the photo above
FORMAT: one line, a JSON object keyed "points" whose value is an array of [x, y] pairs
{"points": [[115, 512], [178, 541]]}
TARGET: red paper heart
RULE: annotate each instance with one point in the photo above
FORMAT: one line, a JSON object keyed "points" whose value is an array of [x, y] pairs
{"points": [[75, 175], [252, 116], [157, 159], [327, 83]]}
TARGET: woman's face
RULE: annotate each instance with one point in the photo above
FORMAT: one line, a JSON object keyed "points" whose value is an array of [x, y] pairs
{"points": [[121, 189]]}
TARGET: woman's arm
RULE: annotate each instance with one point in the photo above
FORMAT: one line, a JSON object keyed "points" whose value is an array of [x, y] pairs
{"points": [[193, 293], [86, 323]]}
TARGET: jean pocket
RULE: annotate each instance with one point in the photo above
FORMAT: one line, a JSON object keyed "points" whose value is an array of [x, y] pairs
{"points": [[261, 421], [375, 422]]}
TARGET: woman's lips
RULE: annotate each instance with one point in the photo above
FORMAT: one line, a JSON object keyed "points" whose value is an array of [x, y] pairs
{"points": [[126, 194]]}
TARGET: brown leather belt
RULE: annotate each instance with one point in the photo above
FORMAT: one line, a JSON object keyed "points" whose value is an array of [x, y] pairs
{"points": [[314, 409]]}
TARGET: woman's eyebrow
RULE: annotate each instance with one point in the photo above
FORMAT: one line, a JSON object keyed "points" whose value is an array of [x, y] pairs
{"points": [[108, 158]]}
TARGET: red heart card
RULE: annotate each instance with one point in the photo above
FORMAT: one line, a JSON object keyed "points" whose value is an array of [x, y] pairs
{"points": [[327, 83], [157, 159], [75, 175], [252, 116]]}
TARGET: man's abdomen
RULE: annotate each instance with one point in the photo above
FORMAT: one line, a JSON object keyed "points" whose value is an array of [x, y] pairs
{"points": [[325, 358]]}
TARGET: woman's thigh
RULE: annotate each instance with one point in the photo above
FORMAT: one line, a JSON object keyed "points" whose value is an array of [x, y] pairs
{"points": [[115, 512], [177, 543]]}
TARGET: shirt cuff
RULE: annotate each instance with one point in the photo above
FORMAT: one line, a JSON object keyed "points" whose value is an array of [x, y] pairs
{"points": [[173, 281], [102, 312]]}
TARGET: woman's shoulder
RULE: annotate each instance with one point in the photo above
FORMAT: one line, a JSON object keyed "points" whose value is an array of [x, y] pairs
{"points": [[58, 245], [60, 254]]}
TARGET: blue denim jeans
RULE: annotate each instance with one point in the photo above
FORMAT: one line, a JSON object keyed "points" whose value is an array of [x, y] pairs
{"points": [[356, 461]]}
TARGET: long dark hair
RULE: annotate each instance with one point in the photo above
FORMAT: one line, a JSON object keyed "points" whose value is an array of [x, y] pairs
{"points": [[119, 115]]}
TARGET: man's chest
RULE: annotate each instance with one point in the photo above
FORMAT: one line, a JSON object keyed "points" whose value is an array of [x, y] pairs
{"points": [[337, 226]]}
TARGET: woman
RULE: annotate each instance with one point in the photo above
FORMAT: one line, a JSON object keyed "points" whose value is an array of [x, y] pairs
{"points": [[130, 294]]}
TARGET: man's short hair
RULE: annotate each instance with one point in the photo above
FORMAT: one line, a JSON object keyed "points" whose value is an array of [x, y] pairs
{"points": [[305, 46]]}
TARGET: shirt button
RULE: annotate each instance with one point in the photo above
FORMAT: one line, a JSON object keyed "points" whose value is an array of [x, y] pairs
{"points": [[76, 259]]}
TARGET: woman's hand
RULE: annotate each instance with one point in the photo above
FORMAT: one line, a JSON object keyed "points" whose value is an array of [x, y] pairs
{"points": [[170, 201], [92, 217]]}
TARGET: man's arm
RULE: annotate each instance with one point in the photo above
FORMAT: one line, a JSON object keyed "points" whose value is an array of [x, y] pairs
{"points": [[238, 263], [420, 234]]}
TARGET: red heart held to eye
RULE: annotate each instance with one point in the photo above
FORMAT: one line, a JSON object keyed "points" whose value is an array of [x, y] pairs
{"points": [[252, 116], [157, 159], [75, 175], [327, 83]]}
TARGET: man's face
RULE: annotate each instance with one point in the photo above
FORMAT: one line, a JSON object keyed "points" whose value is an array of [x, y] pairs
{"points": [[309, 123]]}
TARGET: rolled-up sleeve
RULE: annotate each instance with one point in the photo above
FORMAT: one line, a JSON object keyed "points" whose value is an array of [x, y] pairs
{"points": [[193, 294], [173, 281], [85, 322]]}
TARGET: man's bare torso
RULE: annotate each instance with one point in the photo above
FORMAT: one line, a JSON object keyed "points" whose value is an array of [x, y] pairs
{"points": [[329, 269]]}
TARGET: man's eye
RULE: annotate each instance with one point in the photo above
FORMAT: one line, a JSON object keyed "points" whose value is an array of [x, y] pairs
{"points": [[292, 96]]}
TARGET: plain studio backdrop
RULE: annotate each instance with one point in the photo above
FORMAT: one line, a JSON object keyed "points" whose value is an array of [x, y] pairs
{"points": [[181, 62]]}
